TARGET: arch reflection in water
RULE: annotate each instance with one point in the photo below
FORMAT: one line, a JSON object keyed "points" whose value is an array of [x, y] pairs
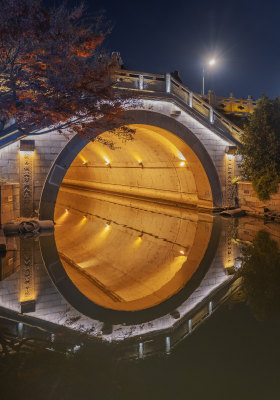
{"points": [[125, 254]]}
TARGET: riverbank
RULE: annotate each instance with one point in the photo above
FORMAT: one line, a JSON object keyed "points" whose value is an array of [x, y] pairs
{"points": [[251, 205]]}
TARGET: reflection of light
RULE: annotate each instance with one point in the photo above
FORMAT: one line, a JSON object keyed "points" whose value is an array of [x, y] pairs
{"points": [[107, 227], [66, 211], [182, 163], [181, 252], [84, 162], [138, 240], [180, 155]]}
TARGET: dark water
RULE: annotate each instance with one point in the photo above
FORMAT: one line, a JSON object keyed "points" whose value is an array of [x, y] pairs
{"points": [[231, 356]]}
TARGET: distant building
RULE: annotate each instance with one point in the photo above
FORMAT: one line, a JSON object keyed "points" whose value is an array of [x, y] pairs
{"points": [[232, 105]]}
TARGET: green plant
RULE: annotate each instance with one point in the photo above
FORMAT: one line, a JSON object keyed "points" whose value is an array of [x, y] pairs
{"points": [[261, 148]]}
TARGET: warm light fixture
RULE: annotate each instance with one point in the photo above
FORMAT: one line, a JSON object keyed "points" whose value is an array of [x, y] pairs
{"points": [[27, 147], [107, 227], [140, 163], [230, 157], [180, 155], [181, 252], [108, 162], [66, 211], [230, 152], [84, 162], [212, 61], [141, 235], [182, 163]]}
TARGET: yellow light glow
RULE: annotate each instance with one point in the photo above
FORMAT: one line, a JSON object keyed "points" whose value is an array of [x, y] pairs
{"points": [[107, 160], [182, 163], [66, 211], [182, 252], [107, 227], [84, 162]]}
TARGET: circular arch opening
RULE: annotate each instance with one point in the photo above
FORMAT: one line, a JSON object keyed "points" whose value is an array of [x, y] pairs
{"points": [[120, 237]]}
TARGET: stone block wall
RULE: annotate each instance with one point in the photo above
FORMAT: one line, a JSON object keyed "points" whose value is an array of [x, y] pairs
{"points": [[248, 200], [47, 148], [9, 202]]}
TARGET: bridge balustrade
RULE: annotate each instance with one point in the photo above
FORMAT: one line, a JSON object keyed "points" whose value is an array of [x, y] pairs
{"points": [[162, 84]]}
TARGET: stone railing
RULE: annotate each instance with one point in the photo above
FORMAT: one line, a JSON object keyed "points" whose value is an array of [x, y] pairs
{"points": [[159, 86], [167, 86], [165, 342]]}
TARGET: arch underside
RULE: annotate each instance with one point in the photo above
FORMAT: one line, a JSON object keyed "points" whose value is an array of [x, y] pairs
{"points": [[124, 234]]}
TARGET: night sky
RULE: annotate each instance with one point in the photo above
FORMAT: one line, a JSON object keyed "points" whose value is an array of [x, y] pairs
{"points": [[161, 36]]}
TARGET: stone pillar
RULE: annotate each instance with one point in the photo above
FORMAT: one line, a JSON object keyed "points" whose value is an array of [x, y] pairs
{"points": [[168, 83], [27, 285], [191, 99], [141, 82], [26, 177], [230, 174]]}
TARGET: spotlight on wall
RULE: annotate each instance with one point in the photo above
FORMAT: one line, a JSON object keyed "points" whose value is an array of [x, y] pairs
{"points": [[108, 163], [230, 152], [108, 224], [140, 163], [182, 163]]}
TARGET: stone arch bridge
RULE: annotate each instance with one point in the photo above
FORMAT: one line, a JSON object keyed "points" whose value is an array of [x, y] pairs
{"points": [[183, 153], [127, 249]]}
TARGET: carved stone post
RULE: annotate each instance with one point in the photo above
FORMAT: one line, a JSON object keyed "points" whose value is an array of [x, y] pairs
{"points": [[26, 177], [168, 82], [27, 287]]}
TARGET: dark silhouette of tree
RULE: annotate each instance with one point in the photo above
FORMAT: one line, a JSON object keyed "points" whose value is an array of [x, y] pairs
{"points": [[53, 73], [261, 147], [260, 270]]}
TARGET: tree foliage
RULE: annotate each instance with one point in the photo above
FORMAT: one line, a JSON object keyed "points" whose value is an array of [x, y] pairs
{"points": [[52, 71], [260, 270], [261, 147]]}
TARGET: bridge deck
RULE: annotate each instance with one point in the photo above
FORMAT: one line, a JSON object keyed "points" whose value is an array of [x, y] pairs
{"points": [[159, 87]]}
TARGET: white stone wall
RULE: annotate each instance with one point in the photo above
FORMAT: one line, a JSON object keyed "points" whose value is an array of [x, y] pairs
{"points": [[49, 145]]}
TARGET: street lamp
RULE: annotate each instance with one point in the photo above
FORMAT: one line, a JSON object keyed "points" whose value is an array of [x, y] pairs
{"points": [[210, 64]]}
